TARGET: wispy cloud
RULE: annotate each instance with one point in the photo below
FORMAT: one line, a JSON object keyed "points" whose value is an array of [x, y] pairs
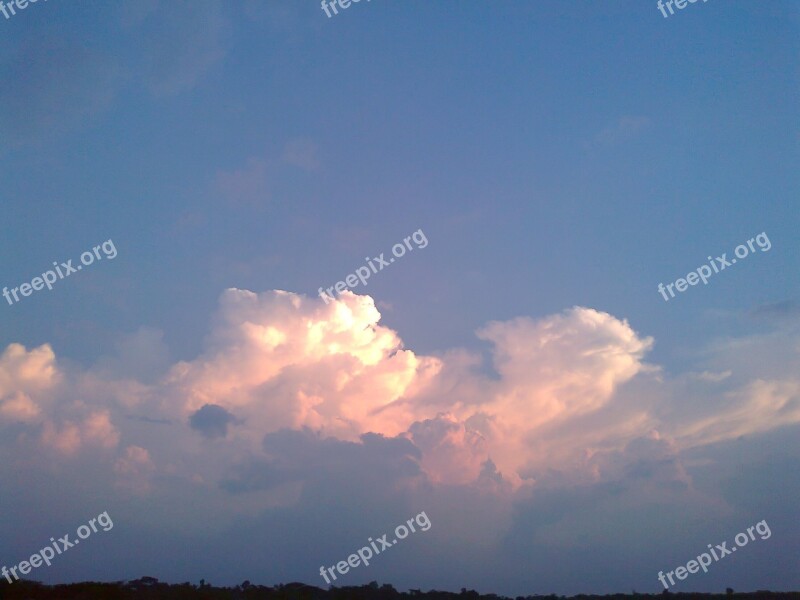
{"points": [[181, 40], [247, 185], [623, 129], [301, 153], [785, 310]]}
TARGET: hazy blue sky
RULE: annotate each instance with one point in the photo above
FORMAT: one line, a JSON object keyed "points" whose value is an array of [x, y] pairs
{"points": [[562, 160]]}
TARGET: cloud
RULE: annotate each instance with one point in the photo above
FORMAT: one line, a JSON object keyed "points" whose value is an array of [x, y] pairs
{"points": [[22, 371], [212, 421], [68, 437], [36, 393], [281, 360], [710, 376], [183, 41], [142, 356], [451, 451], [327, 462], [50, 84], [551, 372], [251, 184], [19, 407], [787, 309], [623, 129], [565, 387], [651, 458], [553, 444], [758, 407], [134, 470], [246, 185], [301, 153]]}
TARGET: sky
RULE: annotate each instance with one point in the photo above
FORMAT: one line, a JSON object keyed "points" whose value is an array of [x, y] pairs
{"points": [[516, 373]]}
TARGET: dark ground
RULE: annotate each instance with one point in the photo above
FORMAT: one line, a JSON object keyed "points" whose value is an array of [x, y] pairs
{"points": [[148, 588]]}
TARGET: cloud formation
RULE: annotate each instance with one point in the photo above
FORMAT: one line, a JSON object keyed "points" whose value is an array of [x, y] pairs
{"points": [[212, 421], [279, 361], [295, 407]]}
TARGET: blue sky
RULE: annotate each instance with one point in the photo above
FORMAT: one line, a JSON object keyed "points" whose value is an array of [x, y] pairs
{"points": [[556, 155]]}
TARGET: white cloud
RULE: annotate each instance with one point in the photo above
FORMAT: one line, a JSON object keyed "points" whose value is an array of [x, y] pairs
{"points": [[567, 387], [571, 433]]}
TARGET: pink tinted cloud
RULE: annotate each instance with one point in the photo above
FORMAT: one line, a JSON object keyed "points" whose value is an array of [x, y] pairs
{"points": [[568, 387]]}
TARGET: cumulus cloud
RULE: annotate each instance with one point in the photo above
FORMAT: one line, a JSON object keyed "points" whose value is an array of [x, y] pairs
{"points": [[552, 372], [304, 455], [22, 371], [451, 451], [68, 437], [280, 360], [134, 469], [302, 405], [571, 363], [140, 356], [212, 421], [19, 407], [565, 388]]}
